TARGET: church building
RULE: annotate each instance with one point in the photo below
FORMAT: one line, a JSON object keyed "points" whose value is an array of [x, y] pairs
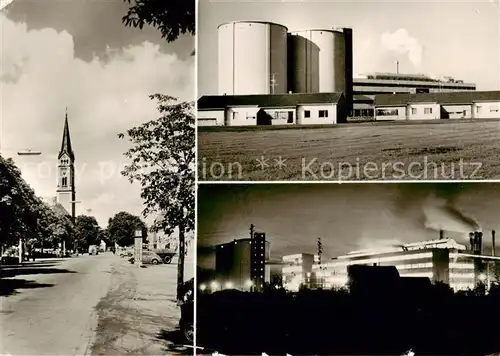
{"points": [[66, 193]]}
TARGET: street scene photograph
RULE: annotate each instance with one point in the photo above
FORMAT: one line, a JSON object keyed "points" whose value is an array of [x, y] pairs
{"points": [[97, 177], [348, 90], [348, 269]]}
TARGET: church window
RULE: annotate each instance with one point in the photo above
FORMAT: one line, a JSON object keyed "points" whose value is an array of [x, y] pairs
{"points": [[64, 181]]}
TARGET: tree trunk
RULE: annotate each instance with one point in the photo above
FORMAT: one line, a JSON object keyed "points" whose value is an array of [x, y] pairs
{"points": [[180, 263]]}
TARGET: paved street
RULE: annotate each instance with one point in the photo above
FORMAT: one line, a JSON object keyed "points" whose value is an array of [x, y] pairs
{"points": [[89, 305]]}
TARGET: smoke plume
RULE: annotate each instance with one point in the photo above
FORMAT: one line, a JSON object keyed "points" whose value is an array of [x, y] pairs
{"points": [[401, 42], [441, 214]]}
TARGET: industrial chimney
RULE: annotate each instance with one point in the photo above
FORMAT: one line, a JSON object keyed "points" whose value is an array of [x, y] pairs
{"points": [[478, 243], [471, 241], [493, 253], [441, 234]]}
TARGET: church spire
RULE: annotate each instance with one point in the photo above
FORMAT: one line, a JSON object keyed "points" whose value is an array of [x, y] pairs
{"points": [[66, 140]]}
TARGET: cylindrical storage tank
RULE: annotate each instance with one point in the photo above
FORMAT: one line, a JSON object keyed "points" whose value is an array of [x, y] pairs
{"points": [[319, 61], [252, 58]]}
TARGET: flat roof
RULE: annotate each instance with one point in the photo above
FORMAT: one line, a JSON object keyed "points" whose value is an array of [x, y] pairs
{"points": [[459, 97], [273, 100], [249, 21]]}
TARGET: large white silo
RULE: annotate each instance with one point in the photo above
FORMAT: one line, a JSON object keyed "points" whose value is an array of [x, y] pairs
{"points": [[252, 58], [318, 60]]}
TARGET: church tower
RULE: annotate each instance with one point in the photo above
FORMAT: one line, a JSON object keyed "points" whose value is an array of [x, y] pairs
{"points": [[66, 172]]}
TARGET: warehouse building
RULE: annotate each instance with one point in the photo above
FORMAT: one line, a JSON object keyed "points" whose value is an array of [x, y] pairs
{"points": [[395, 83], [277, 109], [442, 260], [432, 106]]}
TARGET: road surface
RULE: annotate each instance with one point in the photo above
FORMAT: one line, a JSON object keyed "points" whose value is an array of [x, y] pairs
{"points": [[83, 306]]}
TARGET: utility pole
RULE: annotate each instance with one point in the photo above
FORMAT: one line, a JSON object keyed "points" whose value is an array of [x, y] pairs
{"points": [[397, 67], [252, 226]]}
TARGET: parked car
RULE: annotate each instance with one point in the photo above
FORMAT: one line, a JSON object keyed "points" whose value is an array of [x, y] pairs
{"points": [[186, 322], [148, 257], [165, 254], [9, 260]]}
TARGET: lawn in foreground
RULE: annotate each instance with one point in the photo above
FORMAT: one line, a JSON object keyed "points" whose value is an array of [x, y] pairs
{"points": [[450, 150]]}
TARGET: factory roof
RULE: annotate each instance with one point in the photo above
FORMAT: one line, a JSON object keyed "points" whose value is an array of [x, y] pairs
{"points": [[463, 97], [250, 21], [267, 101]]}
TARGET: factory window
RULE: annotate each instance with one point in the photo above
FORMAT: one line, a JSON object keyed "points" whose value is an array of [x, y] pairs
{"points": [[235, 115], [414, 111], [323, 113], [250, 117], [290, 117], [281, 115], [387, 112], [307, 113], [478, 109], [494, 109], [427, 111]]}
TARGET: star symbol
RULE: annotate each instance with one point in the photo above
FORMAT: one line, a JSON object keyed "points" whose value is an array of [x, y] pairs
{"points": [[280, 163], [262, 162]]}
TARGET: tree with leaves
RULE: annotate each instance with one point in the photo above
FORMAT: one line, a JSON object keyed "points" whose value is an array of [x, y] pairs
{"points": [[121, 228], [25, 216], [171, 17], [163, 161], [86, 232]]}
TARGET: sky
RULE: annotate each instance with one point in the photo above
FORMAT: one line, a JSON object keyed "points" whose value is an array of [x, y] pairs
{"points": [[460, 39], [347, 217], [78, 54]]}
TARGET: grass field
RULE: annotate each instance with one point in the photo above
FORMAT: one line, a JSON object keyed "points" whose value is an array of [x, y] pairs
{"points": [[441, 150]]}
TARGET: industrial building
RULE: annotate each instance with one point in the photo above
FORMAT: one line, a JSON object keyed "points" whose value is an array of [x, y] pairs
{"points": [[261, 63], [393, 83], [297, 267], [252, 58], [432, 106], [442, 260], [241, 264], [278, 109]]}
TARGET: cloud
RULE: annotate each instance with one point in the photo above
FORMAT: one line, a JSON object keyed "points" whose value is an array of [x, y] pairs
{"points": [[401, 42], [440, 214], [41, 76]]}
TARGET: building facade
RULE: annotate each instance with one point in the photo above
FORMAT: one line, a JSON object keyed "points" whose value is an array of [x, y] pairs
{"points": [[393, 83], [433, 106], [286, 109], [241, 264], [442, 260]]}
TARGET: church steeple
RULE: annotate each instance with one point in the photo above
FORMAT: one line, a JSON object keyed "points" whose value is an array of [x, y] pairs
{"points": [[66, 172], [66, 141]]}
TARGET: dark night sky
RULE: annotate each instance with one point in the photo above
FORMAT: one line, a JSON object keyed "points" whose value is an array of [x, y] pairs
{"points": [[346, 216]]}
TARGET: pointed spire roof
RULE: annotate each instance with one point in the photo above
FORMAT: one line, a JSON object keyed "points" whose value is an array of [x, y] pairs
{"points": [[66, 140]]}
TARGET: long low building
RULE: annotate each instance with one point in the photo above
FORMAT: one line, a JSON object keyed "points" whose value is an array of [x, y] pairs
{"points": [[432, 106], [276, 109], [442, 260], [393, 83]]}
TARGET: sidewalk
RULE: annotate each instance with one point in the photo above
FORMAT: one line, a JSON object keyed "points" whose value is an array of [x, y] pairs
{"points": [[139, 315]]}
